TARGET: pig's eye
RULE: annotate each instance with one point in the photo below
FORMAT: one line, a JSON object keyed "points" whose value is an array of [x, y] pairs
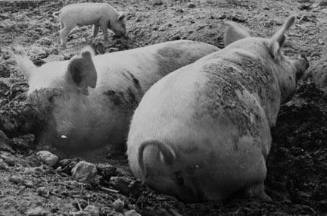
{"points": [[179, 178]]}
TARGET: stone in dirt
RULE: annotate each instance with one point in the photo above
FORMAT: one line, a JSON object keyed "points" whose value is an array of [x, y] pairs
{"points": [[92, 210], [4, 143], [106, 170], [4, 71], [122, 184], [17, 179], [118, 205], [47, 157], [37, 211], [131, 213], [84, 171]]}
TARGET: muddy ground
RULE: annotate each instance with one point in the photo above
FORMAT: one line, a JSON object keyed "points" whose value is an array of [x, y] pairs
{"points": [[297, 164]]}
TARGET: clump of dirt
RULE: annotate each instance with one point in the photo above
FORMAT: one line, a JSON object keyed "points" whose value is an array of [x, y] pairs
{"points": [[296, 165]]}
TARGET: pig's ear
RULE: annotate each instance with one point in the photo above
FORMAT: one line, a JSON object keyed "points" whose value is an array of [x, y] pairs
{"points": [[278, 39], [81, 71], [234, 32], [121, 16], [23, 62]]}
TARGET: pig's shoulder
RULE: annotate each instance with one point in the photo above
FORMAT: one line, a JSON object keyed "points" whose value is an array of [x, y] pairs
{"points": [[228, 77]]}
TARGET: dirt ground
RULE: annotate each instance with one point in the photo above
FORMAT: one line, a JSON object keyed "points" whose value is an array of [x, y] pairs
{"points": [[297, 164]]}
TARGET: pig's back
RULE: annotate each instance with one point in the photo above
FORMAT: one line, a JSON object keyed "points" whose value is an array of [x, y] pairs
{"points": [[84, 6], [149, 64], [84, 13]]}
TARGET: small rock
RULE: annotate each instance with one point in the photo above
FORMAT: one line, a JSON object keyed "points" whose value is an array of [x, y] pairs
{"points": [[17, 179], [139, 18], [118, 205], [29, 183], [47, 157], [84, 171], [131, 213], [4, 71], [23, 142], [92, 210], [80, 204], [238, 18], [121, 183], [37, 52], [46, 41], [38, 169], [37, 211], [157, 2], [106, 170], [3, 165], [4, 143], [323, 3], [191, 5], [8, 158], [66, 165], [43, 191], [321, 42], [306, 6]]}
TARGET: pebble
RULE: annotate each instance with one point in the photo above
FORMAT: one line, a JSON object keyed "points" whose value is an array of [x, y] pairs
{"points": [[4, 71], [17, 179], [43, 191], [118, 205], [47, 157], [84, 171], [131, 213], [106, 170], [323, 3], [29, 183], [121, 183], [92, 210], [8, 158], [4, 143], [3, 165], [191, 5], [37, 211]]}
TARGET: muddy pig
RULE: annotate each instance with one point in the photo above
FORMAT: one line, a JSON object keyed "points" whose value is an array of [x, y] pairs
{"points": [[87, 102], [203, 131], [101, 15]]}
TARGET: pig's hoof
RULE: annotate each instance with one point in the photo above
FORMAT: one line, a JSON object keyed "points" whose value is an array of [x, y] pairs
{"points": [[258, 191]]}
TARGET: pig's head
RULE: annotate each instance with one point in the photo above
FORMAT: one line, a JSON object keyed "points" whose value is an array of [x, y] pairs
{"points": [[58, 93], [288, 71], [118, 25]]}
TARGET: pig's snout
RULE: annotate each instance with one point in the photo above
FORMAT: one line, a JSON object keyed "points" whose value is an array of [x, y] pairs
{"points": [[301, 64]]}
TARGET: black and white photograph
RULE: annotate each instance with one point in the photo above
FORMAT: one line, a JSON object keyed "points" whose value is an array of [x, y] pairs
{"points": [[163, 107]]}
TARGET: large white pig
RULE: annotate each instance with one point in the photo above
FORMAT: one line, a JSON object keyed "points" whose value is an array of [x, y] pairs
{"points": [[101, 15], [203, 131], [87, 102]]}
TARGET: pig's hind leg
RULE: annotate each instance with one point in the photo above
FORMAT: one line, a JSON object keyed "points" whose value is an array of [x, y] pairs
{"points": [[104, 24], [95, 30], [258, 191], [66, 29]]}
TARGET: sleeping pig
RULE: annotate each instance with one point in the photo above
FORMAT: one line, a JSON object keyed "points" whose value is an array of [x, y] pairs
{"points": [[87, 102], [203, 131], [98, 14]]}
